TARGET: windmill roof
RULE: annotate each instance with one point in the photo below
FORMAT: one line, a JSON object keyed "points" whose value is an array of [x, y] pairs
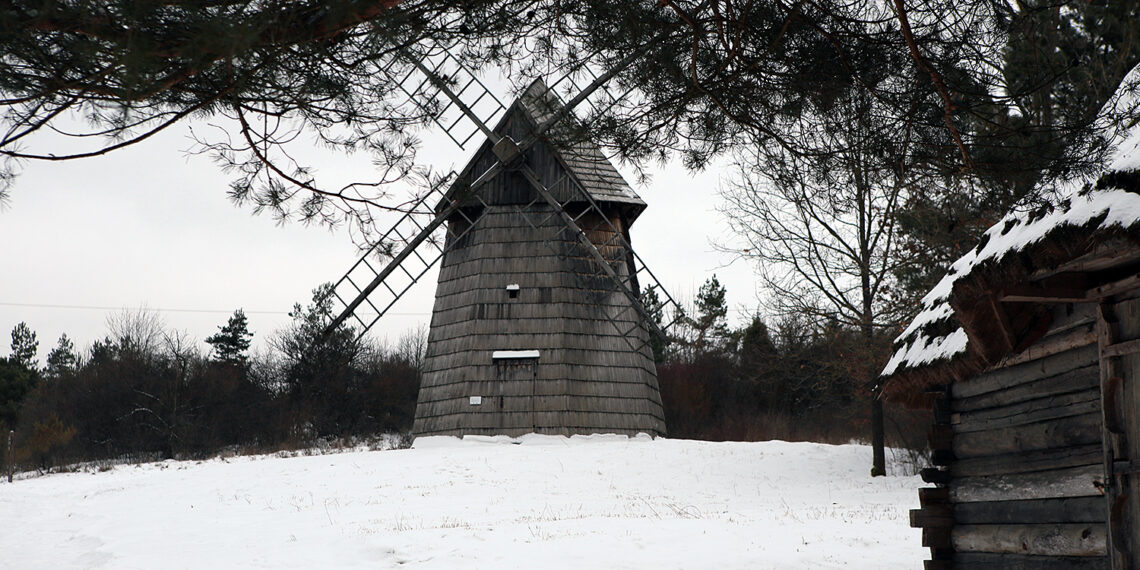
{"points": [[582, 159]]}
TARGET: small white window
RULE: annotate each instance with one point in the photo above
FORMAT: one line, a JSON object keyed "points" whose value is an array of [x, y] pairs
{"points": [[476, 400], [513, 290]]}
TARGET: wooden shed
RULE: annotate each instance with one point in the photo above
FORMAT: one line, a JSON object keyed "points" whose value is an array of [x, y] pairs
{"points": [[1029, 353], [527, 335]]}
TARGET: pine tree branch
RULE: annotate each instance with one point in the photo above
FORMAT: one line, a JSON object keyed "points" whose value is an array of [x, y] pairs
{"points": [[939, 82]]}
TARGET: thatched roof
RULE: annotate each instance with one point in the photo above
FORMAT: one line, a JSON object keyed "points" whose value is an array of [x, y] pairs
{"points": [[992, 303]]}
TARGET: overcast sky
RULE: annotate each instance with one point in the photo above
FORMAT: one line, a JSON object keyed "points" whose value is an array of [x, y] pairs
{"points": [[151, 227]]}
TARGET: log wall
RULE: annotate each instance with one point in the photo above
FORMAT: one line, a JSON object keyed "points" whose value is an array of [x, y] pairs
{"points": [[1019, 458]]}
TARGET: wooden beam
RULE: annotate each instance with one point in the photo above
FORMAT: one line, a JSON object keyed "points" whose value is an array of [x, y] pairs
{"points": [[1044, 460], [933, 495], [1063, 288], [1003, 325], [937, 537], [1032, 539], [1083, 378], [937, 565], [1115, 252], [1067, 431], [1118, 543], [987, 561], [1068, 510], [1037, 410], [1000, 379], [935, 476], [1121, 348], [1076, 338], [1067, 288], [1019, 295], [932, 516], [1115, 288], [1060, 483]]}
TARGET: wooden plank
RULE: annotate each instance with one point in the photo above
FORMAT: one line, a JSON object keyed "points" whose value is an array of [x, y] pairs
{"points": [[1031, 539], [1042, 460], [935, 476], [1067, 510], [1107, 290], [1121, 348], [932, 516], [1047, 367], [937, 537], [985, 561], [1061, 432], [1069, 317], [1050, 345], [1030, 411], [1118, 542], [1001, 319], [933, 495], [1061, 483], [1031, 295], [1066, 288], [1105, 254], [1082, 378]]}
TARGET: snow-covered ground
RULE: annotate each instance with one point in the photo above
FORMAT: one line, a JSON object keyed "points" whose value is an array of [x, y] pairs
{"points": [[537, 502]]}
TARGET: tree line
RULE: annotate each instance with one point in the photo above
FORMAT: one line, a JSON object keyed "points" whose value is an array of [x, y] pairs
{"points": [[802, 378], [145, 392]]}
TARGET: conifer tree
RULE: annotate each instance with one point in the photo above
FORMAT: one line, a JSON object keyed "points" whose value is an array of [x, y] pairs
{"points": [[24, 346], [655, 307], [710, 324], [232, 340], [62, 359]]}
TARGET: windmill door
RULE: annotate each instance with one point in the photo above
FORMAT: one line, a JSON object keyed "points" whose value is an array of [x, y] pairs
{"points": [[512, 395]]}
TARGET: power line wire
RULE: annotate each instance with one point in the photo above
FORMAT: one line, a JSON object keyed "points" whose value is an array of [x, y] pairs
{"points": [[164, 310]]}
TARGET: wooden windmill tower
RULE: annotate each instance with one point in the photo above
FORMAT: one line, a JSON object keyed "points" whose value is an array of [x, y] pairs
{"points": [[527, 335], [538, 324]]}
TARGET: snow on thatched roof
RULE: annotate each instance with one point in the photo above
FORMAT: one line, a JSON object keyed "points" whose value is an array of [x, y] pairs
{"points": [[918, 346], [936, 337]]}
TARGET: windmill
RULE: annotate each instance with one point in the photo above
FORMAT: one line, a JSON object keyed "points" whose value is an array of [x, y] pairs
{"points": [[539, 324]]}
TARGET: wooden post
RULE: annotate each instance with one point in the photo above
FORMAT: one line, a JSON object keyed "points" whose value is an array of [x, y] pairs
{"points": [[11, 453], [1115, 445]]}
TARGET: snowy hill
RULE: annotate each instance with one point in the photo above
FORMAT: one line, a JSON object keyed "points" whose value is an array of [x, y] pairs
{"points": [[541, 502]]}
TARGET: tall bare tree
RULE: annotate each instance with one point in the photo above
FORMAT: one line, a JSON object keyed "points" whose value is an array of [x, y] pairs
{"points": [[822, 230]]}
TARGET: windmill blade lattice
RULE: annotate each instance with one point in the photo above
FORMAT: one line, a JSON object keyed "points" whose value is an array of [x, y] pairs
{"points": [[467, 109], [422, 244], [596, 238], [437, 82]]}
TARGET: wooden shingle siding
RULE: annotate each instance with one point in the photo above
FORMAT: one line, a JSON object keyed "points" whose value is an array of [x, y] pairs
{"points": [[589, 376]]}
